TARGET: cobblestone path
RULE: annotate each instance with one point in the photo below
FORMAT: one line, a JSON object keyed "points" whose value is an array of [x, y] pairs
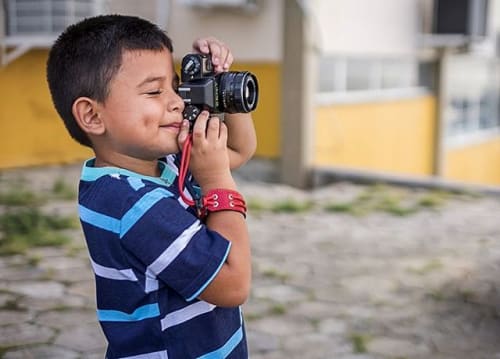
{"points": [[344, 283]]}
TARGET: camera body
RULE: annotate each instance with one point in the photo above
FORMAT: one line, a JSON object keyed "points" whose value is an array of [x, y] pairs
{"points": [[202, 89]]}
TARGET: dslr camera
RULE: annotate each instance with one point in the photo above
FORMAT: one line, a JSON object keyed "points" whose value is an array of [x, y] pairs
{"points": [[226, 92]]}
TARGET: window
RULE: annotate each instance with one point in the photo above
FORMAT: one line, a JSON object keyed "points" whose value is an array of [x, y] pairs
{"points": [[45, 17], [36, 23], [361, 79], [472, 110]]}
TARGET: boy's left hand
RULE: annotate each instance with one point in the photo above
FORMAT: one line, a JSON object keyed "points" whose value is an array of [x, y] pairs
{"points": [[241, 138], [222, 58]]}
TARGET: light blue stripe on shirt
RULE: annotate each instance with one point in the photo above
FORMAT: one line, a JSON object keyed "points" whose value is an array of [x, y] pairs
{"points": [[144, 312], [135, 183], [227, 348], [142, 206], [91, 173], [99, 220]]}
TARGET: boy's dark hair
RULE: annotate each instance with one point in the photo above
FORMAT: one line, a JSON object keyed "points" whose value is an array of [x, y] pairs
{"points": [[87, 55]]}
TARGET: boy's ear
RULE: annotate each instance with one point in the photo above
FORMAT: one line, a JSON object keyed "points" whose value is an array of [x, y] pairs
{"points": [[85, 111]]}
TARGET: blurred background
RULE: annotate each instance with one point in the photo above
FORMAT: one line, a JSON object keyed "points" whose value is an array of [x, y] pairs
{"points": [[403, 89]]}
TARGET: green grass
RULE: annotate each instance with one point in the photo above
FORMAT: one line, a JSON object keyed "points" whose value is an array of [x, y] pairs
{"points": [[342, 207], [23, 224], [359, 343], [434, 199], [437, 295], [275, 274], [11, 304], [63, 190], [256, 205], [22, 228], [20, 197], [278, 309], [291, 206], [431, 266], [394, 201]]}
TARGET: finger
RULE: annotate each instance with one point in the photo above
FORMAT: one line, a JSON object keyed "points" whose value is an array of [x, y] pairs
{"points": [[200, 126], [228, 62], [213, 128], [201, 45], [183, 133], [226, 58], [216, 51], [223, 133]]}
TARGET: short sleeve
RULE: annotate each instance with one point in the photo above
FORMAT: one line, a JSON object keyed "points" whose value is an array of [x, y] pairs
{"points": [[174, 247]]}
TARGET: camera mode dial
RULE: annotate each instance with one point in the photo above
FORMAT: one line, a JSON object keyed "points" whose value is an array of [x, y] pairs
{"points": [[191, 66], [191, 113]]}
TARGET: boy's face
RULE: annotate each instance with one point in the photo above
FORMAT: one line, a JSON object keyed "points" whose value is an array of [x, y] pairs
{"points": [[143, 112]]}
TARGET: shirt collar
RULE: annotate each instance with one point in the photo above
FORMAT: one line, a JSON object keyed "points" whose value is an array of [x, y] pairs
{"points": [[91, 173]]}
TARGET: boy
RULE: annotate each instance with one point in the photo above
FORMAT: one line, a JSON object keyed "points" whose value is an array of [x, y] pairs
{"points": [[168, 284]]}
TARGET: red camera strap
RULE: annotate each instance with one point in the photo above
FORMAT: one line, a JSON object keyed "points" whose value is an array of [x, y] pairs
{"points": [[183, 169], [215, 200]]}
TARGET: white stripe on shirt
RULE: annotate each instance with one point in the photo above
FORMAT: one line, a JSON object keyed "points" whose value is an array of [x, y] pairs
{"points": [[188, 195], [154, 355], [170, 159], [113, 273], [185, 314], [168, 255]]}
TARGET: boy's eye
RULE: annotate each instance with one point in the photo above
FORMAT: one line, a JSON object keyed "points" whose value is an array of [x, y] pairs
{"points": [[154, 92]]}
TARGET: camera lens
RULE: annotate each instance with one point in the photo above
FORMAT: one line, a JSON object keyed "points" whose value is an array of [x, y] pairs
{"points": [[238, 91]]}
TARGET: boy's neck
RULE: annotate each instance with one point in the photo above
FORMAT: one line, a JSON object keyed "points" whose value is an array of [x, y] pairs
{"points": [[147, 168]]}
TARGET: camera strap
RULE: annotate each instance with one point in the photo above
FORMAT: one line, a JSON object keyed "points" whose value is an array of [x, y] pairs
{"points": [[183, 170], [219, 199]]}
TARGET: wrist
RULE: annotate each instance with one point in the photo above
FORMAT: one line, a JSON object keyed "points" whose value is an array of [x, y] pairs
{"points": [[221, 199], [226, 181]]}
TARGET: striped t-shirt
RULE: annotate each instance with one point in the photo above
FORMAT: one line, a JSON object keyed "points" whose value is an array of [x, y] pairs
{"points": [[152, 258]]}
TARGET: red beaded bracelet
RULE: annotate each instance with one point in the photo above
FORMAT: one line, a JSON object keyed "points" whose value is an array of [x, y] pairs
{"points": [[221, 199]]}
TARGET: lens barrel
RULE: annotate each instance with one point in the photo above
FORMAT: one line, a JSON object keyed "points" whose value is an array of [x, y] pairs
{"points": [[238, 91]]}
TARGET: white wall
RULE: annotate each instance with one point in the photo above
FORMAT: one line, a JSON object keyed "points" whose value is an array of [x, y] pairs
{"points": [[144, 8], [495, 15], [251, 36], [368, 27]]}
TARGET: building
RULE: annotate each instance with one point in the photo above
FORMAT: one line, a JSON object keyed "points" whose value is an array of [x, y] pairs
{"points": [[353, 86]]}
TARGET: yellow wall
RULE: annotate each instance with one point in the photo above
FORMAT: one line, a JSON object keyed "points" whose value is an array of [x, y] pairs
{"points": [[267, 115], [392, 136], [478, 163], [33, 134], [31, 131]]}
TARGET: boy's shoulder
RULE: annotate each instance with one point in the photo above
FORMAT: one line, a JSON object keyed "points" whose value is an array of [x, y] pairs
{"points": [[119, 189]]}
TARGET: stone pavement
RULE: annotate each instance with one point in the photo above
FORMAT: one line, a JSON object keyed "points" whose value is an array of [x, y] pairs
{"points": [[325, 284]]}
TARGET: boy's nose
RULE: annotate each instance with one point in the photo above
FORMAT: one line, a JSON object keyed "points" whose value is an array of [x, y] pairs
{"points": [[175, 104]]}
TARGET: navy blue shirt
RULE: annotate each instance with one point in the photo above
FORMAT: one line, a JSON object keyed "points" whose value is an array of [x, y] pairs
{"points": [[152, 258]]}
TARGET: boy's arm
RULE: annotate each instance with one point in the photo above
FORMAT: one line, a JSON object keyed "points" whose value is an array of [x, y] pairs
{"points": [[242, 140], [210, 167], [231, 286]]}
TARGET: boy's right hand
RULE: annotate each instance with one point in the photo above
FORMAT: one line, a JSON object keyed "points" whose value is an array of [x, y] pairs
{"points": [[210, 167], [209, 154]]}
